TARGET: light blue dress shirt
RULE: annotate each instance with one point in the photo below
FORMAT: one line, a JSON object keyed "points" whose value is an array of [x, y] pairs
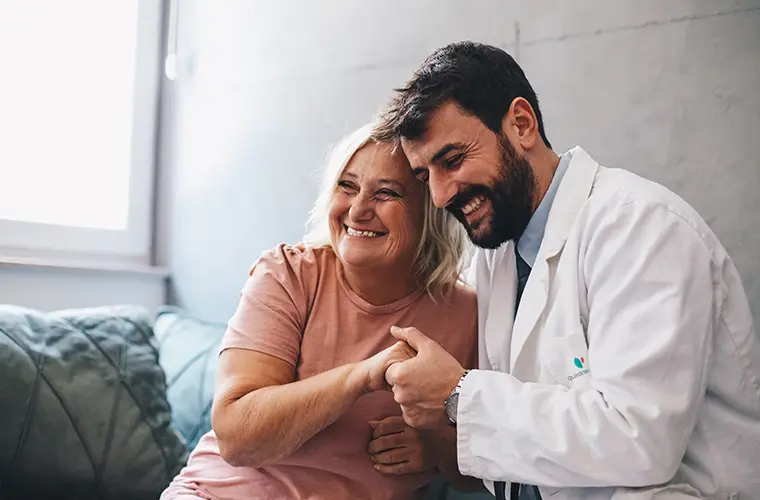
{"points": [[530, 241]]}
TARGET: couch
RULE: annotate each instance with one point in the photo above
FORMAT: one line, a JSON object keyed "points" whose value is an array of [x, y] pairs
{"points": [[105, 403]]}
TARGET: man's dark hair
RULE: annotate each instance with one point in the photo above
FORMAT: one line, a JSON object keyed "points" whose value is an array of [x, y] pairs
{"points": [[483, 80]]}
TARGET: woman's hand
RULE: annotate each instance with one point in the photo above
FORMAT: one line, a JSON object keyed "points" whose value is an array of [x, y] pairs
{"points": [[397, 448], [372, 370]]}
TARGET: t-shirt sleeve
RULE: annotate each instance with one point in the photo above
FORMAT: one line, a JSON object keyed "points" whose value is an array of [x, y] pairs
{"points": [[271, 315]]}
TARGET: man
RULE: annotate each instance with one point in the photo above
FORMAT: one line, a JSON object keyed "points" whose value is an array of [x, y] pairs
{"points": [[631, 368]]}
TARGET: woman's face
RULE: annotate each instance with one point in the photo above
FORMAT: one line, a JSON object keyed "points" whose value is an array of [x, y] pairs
{"points": [[376, 212]]}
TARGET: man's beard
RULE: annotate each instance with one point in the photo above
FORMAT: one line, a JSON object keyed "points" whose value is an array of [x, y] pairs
{"points": [[511, 196]]}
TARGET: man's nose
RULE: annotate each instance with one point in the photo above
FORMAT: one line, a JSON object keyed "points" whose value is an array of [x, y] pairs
{"points": [[442, 188]]}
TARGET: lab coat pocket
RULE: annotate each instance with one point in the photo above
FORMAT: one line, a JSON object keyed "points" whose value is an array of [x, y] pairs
{"points": [[567, 359]]}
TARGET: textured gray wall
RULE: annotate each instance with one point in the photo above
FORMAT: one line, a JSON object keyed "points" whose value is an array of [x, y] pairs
{"points": [[670, 90]]}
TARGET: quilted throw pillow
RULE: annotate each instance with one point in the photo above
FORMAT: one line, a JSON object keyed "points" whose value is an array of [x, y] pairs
{"points": [[189, 352], [83, 409]]}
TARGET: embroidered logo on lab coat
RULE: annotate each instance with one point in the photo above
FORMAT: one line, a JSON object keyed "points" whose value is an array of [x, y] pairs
{"points": [[579, 363]]}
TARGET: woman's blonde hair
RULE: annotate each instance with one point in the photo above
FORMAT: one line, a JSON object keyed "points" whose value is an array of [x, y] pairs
{"points": [[441, 252]]}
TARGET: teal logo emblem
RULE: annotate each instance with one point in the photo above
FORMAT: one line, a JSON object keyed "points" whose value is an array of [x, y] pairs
{"points": [[580, 364]]}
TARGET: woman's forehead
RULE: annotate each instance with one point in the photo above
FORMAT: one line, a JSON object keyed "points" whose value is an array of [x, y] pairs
{"points": [[379, 161]]}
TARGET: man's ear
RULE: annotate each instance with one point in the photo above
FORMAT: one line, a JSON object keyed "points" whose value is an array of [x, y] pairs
{"points": [[520, 124]]}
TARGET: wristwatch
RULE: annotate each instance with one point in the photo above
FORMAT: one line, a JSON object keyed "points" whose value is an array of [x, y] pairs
{"points": [[452, 402]]}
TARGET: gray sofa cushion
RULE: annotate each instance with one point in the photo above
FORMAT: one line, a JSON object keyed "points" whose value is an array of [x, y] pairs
{"points": [[83, 406], [189, 356]]}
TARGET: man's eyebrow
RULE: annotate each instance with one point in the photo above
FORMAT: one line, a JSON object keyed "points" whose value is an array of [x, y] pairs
{"points": [[438, 156], [446, 149]]}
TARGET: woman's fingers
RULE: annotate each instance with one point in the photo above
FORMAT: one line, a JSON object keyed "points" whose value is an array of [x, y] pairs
{"points": [[385, 443], [388, 425], [396, 448], [399, 352], [393, 456], [396, 469], [406, 349], [376, 366], [399, 461]]}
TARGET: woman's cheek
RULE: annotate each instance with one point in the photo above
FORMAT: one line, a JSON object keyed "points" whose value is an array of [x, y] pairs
{"points": [[338, 206]]}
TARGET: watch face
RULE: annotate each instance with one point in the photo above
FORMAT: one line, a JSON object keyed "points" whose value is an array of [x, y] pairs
{"points": [[451, 407]]}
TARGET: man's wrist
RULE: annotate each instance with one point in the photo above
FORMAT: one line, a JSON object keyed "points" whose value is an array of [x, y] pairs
{"points": [[459, 376], [451, 404]]}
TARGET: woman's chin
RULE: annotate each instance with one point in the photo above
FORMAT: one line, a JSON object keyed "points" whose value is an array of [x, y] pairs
{"points": [[358, 258]]}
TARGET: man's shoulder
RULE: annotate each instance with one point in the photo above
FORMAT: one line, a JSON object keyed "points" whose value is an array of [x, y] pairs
{"points": [[626, 185], [616, 188]]}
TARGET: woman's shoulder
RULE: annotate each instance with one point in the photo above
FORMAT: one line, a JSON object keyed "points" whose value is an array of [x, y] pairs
{"points": [[294, 260], [452, 321], [459, 298], [462, 295], [294, 271]]}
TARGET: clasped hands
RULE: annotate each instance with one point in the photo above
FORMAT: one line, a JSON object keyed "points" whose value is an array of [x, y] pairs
{"points": [[421, 375], [419, 372]]}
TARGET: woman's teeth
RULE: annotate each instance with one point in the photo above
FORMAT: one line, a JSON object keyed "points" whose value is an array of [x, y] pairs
{"points": [[366, 234], [473, 205]]}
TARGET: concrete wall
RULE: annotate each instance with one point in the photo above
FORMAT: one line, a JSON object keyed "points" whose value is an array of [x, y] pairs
{"points": [[670, 90], [270, 86]]}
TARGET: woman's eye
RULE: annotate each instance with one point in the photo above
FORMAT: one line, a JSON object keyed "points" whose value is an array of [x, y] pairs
{"points": [[387, 193], [346, 186]]}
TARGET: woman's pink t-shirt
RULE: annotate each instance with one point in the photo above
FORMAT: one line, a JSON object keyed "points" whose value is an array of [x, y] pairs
{"points": [[297, 306]]}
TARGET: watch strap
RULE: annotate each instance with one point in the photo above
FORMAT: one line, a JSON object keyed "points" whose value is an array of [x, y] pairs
{"points": [[452, 402]]}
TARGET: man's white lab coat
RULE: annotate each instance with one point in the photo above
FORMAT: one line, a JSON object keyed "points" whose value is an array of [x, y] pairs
{"points": [[632, 369]]}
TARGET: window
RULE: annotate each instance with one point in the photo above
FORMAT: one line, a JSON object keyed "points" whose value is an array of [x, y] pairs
{"points": [[78, 110]]}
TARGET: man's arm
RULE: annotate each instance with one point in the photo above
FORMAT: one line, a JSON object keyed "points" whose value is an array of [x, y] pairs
{"points": [[649, 332]]}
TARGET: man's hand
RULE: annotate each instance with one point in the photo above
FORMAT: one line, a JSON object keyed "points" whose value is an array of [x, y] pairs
{"points": [[397, 448], [422, 384], [372, 370]]}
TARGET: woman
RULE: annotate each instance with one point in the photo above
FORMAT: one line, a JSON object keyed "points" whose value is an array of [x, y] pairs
{"points": [[299, 409]]}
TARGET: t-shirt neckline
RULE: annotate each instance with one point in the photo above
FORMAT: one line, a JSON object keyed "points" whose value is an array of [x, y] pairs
{"points": [[372, 308]]}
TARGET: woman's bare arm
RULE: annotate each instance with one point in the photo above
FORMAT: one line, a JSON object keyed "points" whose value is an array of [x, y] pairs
{"points": [[261, 414]]}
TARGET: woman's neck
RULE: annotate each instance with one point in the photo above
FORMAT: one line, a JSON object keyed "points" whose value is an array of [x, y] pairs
{"points": [[380, 286]]}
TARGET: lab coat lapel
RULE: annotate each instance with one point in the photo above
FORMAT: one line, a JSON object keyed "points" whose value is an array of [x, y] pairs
{"points": [[571, 195], [501, 302], [532, 305]]}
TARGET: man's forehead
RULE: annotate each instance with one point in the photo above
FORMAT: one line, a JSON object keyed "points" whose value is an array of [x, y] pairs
{"points": [[447, 125], [420, 151]]}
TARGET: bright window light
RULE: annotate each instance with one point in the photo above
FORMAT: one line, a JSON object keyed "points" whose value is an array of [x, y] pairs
{"points": [[66, 111]]}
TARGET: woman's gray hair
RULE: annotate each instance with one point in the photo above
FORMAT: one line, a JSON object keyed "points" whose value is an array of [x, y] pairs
{"points": [[443, 242]]}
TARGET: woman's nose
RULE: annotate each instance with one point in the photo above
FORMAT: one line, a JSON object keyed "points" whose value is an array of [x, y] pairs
{"points": [[361, 209]]}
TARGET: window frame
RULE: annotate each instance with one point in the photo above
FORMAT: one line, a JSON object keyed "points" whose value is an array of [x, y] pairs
{"points": [[134, 244]]}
